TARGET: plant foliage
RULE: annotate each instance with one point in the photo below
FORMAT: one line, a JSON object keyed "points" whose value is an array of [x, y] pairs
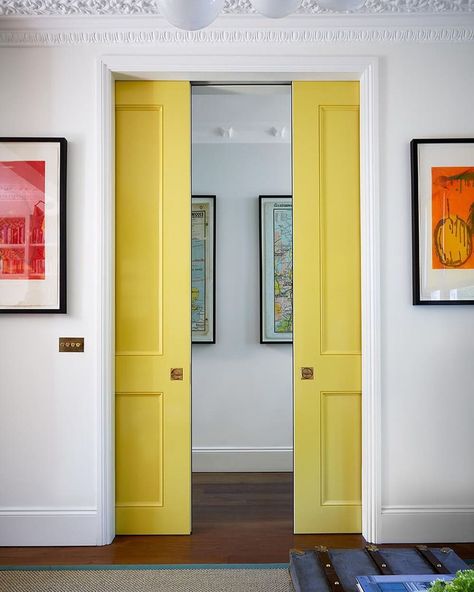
{"points": [[463, 582]]}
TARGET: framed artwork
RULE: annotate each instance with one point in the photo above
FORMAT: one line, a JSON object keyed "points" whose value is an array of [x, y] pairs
{"points": [[33, 225], [443, 221], [203, 290], [276, 269]]}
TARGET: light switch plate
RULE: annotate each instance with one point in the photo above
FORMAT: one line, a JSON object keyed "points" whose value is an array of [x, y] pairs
{"points": [[71, 344]]}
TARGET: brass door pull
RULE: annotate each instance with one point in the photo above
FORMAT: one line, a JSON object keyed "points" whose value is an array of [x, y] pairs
{"points": [[307, 373], [176, 374]]}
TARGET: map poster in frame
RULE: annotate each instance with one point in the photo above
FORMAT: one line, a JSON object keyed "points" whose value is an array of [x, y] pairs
{"points": [[443, 220], [203, 259], [276, 269], [33, 225]]}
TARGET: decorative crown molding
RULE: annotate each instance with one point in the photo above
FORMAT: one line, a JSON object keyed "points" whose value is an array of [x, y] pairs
{"points": [[235, 7], [316, 36]]}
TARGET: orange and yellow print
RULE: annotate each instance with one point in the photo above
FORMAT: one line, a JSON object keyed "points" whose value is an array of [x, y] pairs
{"points": [[452, 217]]}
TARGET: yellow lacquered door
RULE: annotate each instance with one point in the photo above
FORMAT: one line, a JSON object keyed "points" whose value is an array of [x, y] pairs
{"points": [[327, 325], [153, 324]]}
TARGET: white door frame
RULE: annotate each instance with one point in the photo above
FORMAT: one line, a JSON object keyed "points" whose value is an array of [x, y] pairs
{"points": [[276, 68]]}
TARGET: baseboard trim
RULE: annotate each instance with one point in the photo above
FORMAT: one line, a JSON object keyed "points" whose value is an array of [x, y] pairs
{"points": [[426, 524], [51, 527], [232, 459]]}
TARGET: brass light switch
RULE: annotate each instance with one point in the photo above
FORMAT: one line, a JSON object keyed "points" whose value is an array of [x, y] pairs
{"points": [[71, 344]]}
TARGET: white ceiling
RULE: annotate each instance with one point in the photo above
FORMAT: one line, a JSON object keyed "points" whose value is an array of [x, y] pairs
{"points": [[232, 7]]}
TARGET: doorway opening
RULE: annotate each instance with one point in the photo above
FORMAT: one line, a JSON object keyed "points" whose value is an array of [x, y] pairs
{"points": [[242, 416], [248, 69]]}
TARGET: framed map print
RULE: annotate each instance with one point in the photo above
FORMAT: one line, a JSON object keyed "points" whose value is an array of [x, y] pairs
{"points": [[33, 225], [276, 269], [203, 293], [443, 221]]}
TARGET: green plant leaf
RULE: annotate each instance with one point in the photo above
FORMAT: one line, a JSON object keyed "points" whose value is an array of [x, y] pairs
{"points": [[463, 582]]}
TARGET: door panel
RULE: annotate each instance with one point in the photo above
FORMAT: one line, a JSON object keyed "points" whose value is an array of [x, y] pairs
{"points": [[153, 324], [139, 431], [327, 326]]}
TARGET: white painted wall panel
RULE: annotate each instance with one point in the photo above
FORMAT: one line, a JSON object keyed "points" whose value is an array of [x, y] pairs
{"points": [[48, 400], [427, 351]]}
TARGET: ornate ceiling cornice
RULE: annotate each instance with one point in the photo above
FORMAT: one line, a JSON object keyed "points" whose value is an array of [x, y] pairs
{"points": [[50, 23], [233, 7], [255, 36]]}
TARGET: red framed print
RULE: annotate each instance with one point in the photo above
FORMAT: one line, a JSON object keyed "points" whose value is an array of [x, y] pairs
{"points": [[33, 225], [443, 220]]}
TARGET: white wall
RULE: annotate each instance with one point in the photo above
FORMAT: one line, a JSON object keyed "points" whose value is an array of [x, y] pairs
{"points": [[427, 352], [48, 400], [242, 391], [48, 419]]}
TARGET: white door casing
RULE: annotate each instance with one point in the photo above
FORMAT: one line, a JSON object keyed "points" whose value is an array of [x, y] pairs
{"points": [[248, 69]]}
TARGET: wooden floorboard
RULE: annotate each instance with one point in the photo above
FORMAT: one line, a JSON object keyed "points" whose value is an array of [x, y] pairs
{"points": [[237, 518]]}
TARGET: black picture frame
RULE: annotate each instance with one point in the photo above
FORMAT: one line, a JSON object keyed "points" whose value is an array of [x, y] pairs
{"points": [[33, 182], [206, 335], [268, 334], [442, 185]]}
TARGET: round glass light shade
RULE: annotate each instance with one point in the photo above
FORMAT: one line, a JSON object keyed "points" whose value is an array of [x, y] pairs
{"points": [[341, 5], [276, 8], [190, 15]]}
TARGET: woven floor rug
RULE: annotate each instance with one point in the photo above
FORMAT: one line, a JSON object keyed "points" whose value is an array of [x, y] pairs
{"points": [[250, 578]]}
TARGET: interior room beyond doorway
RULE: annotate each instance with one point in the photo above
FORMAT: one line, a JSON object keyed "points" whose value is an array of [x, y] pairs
{"points": [[242, 417]]}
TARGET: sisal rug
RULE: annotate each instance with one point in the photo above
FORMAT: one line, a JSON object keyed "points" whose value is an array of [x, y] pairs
{"points": [[223, 578]]}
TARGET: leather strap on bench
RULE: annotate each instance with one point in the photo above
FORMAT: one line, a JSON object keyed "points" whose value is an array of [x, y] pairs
{"points": [[437, 565], [379, 560], [325, 561], [296, 552]]}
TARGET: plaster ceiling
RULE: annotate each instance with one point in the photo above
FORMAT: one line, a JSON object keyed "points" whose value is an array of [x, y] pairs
{"points": [[232, 7]]}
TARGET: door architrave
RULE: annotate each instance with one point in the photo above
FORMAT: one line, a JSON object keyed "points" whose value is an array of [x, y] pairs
{"points": [[242, 68]]}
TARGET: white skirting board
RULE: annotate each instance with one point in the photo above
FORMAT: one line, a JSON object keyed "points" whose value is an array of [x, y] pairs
{"points": [[44, 527], [426, 524], [242, 459]]}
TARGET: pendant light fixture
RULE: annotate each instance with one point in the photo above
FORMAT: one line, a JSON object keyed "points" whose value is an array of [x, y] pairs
{"points": [[276, 8], [191, 15]]}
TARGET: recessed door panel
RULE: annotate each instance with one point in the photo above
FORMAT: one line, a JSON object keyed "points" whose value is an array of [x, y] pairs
{"points": [[340, 449], [340, 242], [139, 254], [139, 435]]}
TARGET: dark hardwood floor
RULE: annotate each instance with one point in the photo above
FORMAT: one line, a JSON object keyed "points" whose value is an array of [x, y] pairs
{"points": [[237, 518]]}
